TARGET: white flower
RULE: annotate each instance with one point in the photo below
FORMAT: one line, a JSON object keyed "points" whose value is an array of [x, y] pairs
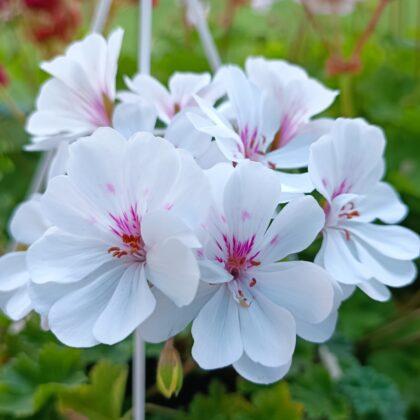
{"points": [[267, 118], [330, 7], [297, 98], [250, 305], [122, 223], [80, 95], [27, 225], [180, 93], [346, 167]]}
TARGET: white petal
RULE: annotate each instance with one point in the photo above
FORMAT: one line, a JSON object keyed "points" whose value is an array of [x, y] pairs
{"points": [[293, 229], [303, 288], [182, 134], [211, 122], [167, 320], [213, 273], [189, 198], [19, 304], [130, 118], [161, 225], [317, 333], [268, 331], [73, 317], [28, 221], [250, 200], [60, 161], [348, 159], [260, 374], [64, 258], [173, 269], [381, 202], [92, 167], [216, 332], [393, 241], [389, 271], [295, 183], [375, 290], [150, 89], [341, 261], [113, 52], [153, 174], [13, 271], [66, 207], [131, 303], [295, 154], [184, 85]]}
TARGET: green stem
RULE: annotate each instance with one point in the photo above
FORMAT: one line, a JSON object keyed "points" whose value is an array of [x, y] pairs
{"points": [[346, 95]]}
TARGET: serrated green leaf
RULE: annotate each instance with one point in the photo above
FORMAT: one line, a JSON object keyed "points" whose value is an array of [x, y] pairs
{"points": [[27, 384], [102, 398]]}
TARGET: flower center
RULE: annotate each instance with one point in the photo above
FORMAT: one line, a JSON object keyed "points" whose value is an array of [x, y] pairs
{"points": [[127, 228], [238, 257]]}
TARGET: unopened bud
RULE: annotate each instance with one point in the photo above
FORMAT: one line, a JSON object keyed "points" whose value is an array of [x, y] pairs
{"points": [[169, 370]]}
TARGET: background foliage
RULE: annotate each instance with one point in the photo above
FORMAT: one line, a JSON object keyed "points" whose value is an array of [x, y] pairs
{"points": [[376, 344]]}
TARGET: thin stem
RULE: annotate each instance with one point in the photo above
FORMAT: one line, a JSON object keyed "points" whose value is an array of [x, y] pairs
{"points": [[370, 28], [318, 28], [100, 16], [139, 357], [207, 41], [145, 36], [139, 377]]}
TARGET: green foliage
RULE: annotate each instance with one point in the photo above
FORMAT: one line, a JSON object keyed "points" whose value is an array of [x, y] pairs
{"points": [[100, 399], [371, 394], [270, 403], [27, 384]]}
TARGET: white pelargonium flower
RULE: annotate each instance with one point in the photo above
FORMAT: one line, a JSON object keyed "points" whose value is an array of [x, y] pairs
{"points": [[182, 88], [251, 303], [27, 225], [346, 167], [123, 221], [80, 95], [264, 124], [330, 7]]}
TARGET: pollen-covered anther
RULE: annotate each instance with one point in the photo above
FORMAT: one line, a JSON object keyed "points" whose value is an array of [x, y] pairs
{"points": [[252, 282], [116, 252]]}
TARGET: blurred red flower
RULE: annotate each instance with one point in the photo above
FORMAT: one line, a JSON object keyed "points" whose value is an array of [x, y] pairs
{"points": [[4, 78]]}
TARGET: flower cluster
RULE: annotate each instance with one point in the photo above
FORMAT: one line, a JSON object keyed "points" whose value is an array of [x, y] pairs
{"points": [[202, 225]]}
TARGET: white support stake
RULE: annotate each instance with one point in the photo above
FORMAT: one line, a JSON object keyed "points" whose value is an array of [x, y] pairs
{"points": [[100, 16], [139, 359], [210, 49]]}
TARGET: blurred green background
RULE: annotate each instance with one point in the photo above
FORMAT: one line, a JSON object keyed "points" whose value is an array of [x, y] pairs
{"points": [[376, 344]]}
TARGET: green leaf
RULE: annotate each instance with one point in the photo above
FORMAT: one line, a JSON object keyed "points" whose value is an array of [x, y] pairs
{"points": [[27, 384], [372, 393], [102, 398]]}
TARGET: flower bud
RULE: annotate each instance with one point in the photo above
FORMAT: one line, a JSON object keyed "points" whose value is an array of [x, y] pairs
{"points": [[169, 371]]}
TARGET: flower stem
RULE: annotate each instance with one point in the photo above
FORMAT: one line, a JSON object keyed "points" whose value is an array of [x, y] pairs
{"points": [[139, 377], [207, 41], [139, 358], [145, 36], [100, 16]]}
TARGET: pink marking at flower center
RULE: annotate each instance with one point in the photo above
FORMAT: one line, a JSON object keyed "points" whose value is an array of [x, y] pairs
{"points": [[343, 188], [127, 227], [253, 144], [238, 256]]}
